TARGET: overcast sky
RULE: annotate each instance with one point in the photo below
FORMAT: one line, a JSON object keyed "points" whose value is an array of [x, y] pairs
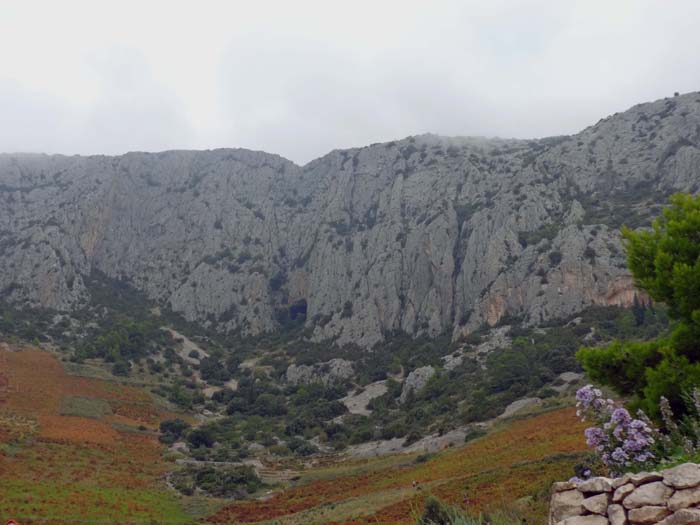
{"points": [[300, 78]]}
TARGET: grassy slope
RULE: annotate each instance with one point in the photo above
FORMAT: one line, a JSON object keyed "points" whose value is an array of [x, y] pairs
{"points": [[518, 460], [71, 452], [58, 468]]}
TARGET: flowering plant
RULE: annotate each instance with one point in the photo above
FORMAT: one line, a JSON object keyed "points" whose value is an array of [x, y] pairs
{"points": [[621, 441]]}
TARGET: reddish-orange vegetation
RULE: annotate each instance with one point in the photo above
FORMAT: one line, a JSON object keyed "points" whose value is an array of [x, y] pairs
{"points": [[98, 471], [37, 379], [142, 412], [39, 382], [510, 464], [71, 429]]}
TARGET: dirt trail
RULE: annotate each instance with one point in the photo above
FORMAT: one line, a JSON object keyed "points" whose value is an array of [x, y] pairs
{"points": [[186, 346]]}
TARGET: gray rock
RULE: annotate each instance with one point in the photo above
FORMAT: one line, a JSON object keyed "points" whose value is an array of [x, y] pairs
{"points": [[648, 515], [683, 517], [520, 404], [684, 498], [452, 361], [640, 478], [416, 380], [651, 494], [617, 515], [599, 484], [623, 480], [622, 492], [597, 504], [683, 476], [565, 505], [591, 519], [356, 403], [327, 373], [561, 486]]}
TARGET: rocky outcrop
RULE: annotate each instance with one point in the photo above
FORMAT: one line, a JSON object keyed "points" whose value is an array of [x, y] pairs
{"points": [[415, 381], [330, 372], [668, 497], [421, 236]]}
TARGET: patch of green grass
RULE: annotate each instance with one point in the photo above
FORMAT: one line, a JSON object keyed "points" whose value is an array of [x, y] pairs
{"points": [[85, 407]]}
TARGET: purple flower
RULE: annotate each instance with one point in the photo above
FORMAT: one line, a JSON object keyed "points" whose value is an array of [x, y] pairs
{"points": [[619, 455], [618, 439], [595, 436], [644, 457], [620, 416]]}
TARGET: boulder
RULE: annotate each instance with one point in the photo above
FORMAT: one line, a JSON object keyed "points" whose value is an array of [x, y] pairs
{"points": [[561, 486], [617, 515], [565, 505], [683, 517], [640, 478], [684, 498], [623, 480], [683, 476], [416, 380], [622, 492], [651, 494], [597, 485], [648, 515], [596, 504], [591, 519]]}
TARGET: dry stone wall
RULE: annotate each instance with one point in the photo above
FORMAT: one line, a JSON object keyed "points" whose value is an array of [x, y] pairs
{"points": [[668, 497]]}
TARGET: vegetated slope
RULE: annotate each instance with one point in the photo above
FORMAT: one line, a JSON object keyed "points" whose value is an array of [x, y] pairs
{"points": [[77, 450], [519, 460], [422, 236]]}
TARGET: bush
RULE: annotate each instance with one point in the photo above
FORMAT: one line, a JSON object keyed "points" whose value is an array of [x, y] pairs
{"points": [[301, 447], [201, 437], [121, 368], [172, 429], [220, 482]]}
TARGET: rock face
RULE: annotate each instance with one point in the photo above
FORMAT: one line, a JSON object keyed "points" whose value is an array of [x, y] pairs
{"points": [[416, 380], [418, 236], [669, 497]]}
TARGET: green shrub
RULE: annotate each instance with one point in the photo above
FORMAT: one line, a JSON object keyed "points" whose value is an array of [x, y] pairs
{"points": [[665, 262]]}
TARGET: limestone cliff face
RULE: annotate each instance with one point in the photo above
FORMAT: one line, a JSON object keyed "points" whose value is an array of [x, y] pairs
{"points": [[420, 235]]}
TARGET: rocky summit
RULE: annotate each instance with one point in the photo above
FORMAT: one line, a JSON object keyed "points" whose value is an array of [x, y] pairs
{"points": [[422, 236]]}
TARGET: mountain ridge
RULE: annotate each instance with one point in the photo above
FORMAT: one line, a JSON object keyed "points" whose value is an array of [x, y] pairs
{"points": [[423, 235], [334, 150]]}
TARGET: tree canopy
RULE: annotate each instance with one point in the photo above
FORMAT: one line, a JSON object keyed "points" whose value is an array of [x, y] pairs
{"points": [[665, 263]]}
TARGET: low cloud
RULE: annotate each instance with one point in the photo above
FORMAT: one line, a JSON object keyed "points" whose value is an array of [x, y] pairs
{"points": [[302, 78]]}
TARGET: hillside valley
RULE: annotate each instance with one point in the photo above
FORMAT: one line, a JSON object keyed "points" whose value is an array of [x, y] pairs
{"points": [[254, 341]]}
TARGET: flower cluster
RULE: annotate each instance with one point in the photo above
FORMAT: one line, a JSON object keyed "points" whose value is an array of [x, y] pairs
{"points": [[590, 400], [620, 440]]}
